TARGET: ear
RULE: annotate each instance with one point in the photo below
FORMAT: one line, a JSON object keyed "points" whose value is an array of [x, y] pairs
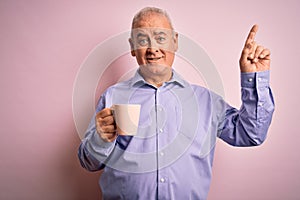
{"points": [[175, 41], [131, 47]]}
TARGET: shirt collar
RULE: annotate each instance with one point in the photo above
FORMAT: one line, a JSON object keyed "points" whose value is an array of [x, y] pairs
{"points": [[138, 80]]}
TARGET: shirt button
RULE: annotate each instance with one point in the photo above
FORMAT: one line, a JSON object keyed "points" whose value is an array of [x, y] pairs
{"points": [[161, 130], [259, 79], [260, 104], [162, 180], [162, 153], [250, 79]]}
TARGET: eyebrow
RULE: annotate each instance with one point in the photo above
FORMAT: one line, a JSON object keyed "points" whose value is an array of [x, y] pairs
{"points": [[141, 35], [155, 33], [159, 33]]}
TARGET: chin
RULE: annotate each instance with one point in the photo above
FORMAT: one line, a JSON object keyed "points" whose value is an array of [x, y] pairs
{"points": [[157, 68]]}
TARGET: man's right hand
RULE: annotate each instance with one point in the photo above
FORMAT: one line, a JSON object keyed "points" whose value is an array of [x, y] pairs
{"points": [[105, 125]]}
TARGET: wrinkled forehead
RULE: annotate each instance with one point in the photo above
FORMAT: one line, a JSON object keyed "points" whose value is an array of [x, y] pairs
{"points": [[153, 31]]}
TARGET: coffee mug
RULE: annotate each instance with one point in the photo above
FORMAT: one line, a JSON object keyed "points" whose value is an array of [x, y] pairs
{"points": [[127, 118]]}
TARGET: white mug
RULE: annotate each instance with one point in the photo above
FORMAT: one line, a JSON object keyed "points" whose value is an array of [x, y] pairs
{"points": [[127, 118]]}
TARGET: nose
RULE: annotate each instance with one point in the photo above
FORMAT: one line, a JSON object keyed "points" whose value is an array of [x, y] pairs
{"points": [[152, 50], [152, 46]]}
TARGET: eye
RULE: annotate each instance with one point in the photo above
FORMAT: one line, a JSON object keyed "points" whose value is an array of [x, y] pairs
{"points": [[161, 39], [142, 42]]}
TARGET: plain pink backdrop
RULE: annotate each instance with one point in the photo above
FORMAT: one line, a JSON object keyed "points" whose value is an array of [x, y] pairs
{"points": [[44, 43]]}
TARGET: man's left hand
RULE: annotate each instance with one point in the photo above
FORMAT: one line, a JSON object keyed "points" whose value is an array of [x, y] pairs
{"points": [[254, 57]]}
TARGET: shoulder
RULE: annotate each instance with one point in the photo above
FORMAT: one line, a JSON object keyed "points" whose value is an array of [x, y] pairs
{"points": [[119, 85], [202, 90], [204, 93]]}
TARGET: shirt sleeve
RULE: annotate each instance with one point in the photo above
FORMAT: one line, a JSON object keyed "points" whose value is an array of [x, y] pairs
{"points": [[249, 125], [93, 150]]}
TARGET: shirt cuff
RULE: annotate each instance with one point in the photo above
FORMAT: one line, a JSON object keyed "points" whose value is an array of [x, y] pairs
{"points": [[253, 79], [98, 141]]}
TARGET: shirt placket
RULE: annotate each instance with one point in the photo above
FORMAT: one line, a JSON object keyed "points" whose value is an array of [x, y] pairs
{"points": [[162, 177]]}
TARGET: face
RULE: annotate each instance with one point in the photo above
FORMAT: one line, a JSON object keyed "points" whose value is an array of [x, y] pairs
{"points": [[154, 43]]}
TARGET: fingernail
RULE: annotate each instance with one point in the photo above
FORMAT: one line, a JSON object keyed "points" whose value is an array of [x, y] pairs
{"points": [[262, 56]]}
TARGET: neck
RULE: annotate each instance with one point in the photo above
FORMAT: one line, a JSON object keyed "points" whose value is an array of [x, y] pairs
{"points": [[156, 79]]}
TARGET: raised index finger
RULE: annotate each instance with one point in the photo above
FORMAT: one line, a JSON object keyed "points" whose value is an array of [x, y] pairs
{"points": [[251, 35]]}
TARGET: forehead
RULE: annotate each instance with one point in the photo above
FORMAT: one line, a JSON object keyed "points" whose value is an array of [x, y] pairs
{"points": [[153, 20], [147, 31]]}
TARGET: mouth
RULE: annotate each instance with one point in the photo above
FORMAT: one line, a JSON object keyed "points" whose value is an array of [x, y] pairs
{"points": [[153, 59]]}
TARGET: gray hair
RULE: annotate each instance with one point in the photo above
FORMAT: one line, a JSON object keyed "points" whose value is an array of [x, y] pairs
{"points": [[146, 11]]}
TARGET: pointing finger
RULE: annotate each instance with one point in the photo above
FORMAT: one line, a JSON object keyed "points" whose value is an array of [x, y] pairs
{"points": [[251, 35], [252, 50]]}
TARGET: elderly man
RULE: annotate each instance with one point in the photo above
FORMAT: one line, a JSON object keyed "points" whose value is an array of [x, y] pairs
{"points": [[171, 156]]}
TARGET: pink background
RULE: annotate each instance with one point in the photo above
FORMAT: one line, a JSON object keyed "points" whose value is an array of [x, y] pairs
{"points": [[43, 44]]}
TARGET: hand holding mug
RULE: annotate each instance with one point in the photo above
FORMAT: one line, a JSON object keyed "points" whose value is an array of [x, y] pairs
{"points": [[105, 125], [120, 119]]}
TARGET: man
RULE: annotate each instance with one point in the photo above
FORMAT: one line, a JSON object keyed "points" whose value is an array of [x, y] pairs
{"points": [[172, 154]]}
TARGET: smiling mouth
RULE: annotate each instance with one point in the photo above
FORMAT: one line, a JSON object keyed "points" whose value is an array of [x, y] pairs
{"points": [[153, 59]]}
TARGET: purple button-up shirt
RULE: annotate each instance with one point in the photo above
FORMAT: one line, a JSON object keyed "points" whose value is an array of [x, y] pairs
{"points": [[172, 154]]}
